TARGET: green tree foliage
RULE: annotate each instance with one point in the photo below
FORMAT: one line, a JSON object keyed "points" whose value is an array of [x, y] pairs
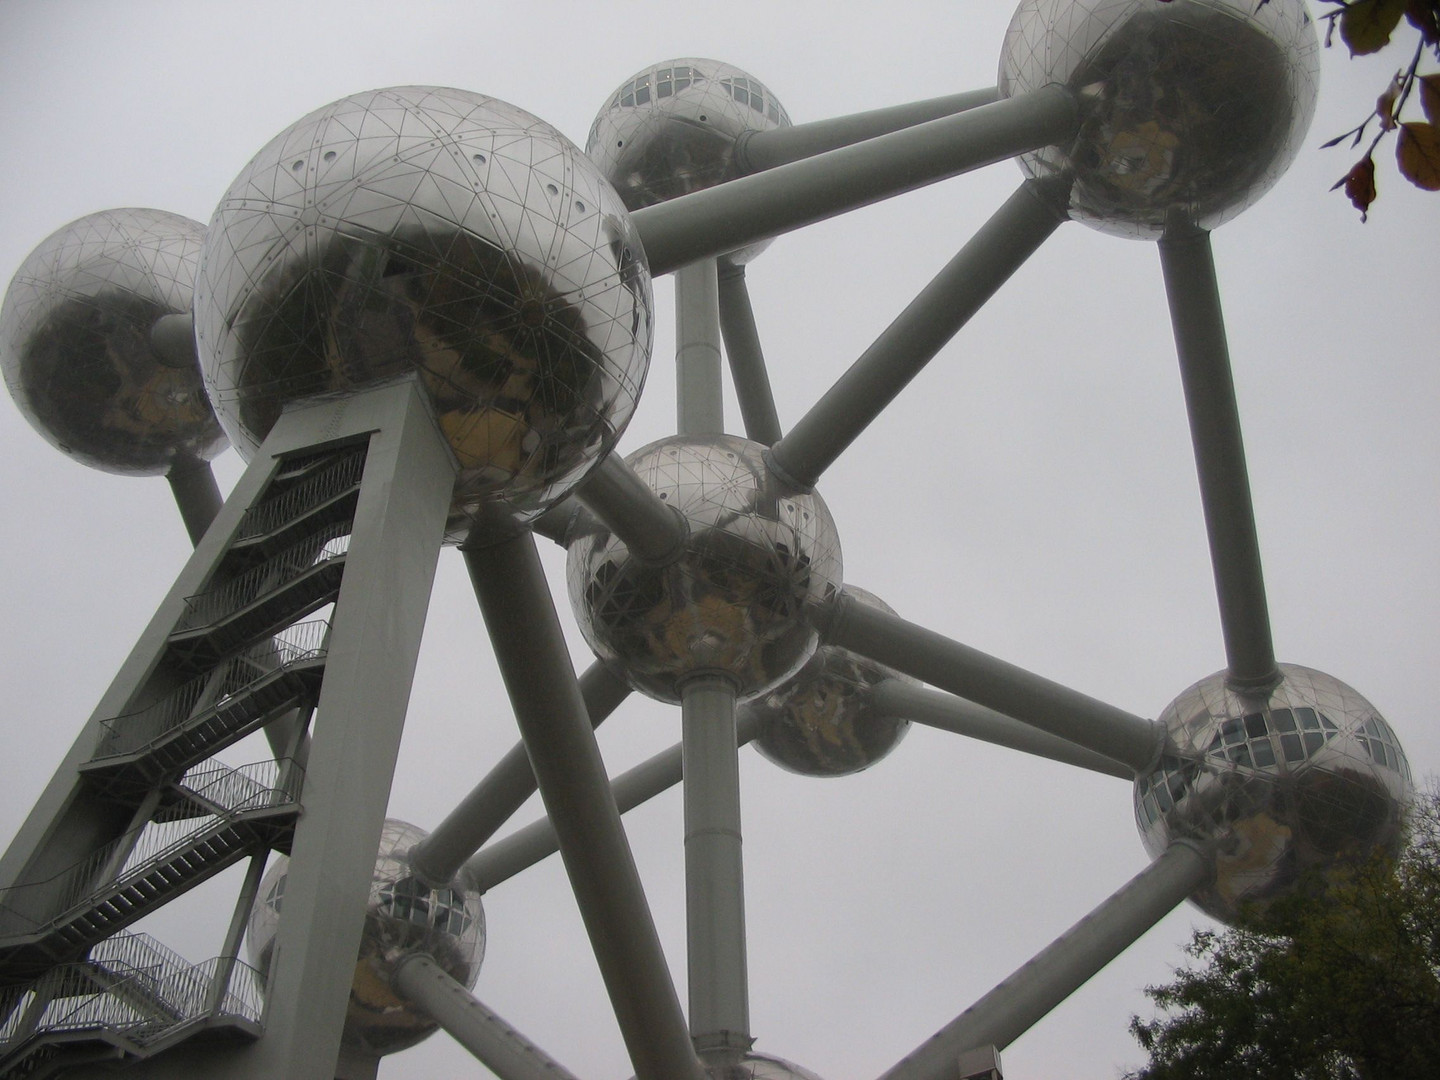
{"points": [[1368, 26], [1339, 986]]}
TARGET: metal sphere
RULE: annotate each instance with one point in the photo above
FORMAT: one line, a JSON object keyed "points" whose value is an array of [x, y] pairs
{"points": [[736, 602], [821, 722], [1291, 780], [403, 917], [1191, 109], [75, 343], [673, 129], [440, 232]]}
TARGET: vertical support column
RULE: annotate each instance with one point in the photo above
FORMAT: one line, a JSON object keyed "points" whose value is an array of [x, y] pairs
{"points": [[699, 402], [535, 664], [714, 868], [375, 638], [1199, 325]]}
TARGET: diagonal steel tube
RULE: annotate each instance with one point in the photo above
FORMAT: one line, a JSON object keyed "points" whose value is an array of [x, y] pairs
{"points": [[525, 847], [937, 709], [197, 496], [747, 361], [712, 222], [1013, 691], [946, 304], [760, 150], [1199, 325], [493, 1042], [614, 493], [550, 712], [714, 868], [1063, 966], [494, 800]]}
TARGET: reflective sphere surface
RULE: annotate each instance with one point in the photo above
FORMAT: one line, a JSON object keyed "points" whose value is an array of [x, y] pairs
{"points": [[403, 917], [672, 129], [1292, 780], [75, 343], [1191, 110], [435, 231], [820, 722], [737, 600]]}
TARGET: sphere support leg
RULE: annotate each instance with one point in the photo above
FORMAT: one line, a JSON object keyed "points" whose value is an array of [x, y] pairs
{"points": [[197, 496], [714, 868], [1199, 325], [946, 304], [747, 361], [494, 800], [535, 664], [969, 673], [934, 708], [1062, 967], [711, 222], [779, 146], [495, 1044], [526, 846]]}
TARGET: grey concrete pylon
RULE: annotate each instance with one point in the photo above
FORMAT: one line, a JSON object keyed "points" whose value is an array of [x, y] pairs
{"points": [[400, 508]]}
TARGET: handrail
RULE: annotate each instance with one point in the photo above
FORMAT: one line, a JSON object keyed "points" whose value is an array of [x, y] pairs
{"points": [[211, 606], [75, 999], [270, 514], [233, 791], [135, 731]]}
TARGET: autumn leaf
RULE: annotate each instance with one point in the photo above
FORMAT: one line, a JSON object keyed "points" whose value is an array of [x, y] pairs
{"points": [[1424, 15], [1359, 185], [1366, 26], [1418, 153], [1430, 97]]}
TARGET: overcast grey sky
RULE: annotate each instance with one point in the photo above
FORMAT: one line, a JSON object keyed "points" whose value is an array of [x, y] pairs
{"points": [[1032, 495]]}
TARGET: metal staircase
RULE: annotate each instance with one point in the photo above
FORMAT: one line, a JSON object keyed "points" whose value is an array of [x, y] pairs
{"points": [[238, 657], [131, 998]]}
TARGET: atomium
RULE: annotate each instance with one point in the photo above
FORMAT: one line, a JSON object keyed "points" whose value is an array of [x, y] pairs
{"points": [[402, 917], [75, 343], [737, 601], [1190, 110], [822, 721], [448, 240], [1291, 780], [438, 231]]}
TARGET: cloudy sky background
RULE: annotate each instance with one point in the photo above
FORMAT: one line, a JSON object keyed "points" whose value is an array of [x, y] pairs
{"points": [[1032, 494]]}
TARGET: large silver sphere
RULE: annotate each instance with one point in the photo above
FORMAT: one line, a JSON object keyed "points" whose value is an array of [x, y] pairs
{"points": [[673, 128], [403, 917], [737, 602], [436, 231], [1292, 780], [1191, 109], [821, 722], [75, 343]]}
